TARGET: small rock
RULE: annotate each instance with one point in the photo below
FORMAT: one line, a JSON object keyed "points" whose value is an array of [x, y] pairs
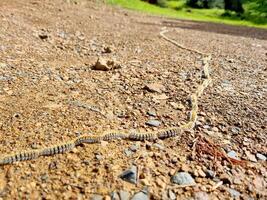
{"points": [[128, 152], [105, 65], [210, 174], [201, 196], [130, 175], [134, 147], [44, 177], [261, 157], [235, 130], [124, 195], [171, 195], [234, 193], [251, 156], [96, 197], [153, 122], [183, 178], [232, 154], [115, 196], [177, 106], [152, 113], [215, 129], [155, 87], [201, 173], [108, 49], [206, 127], [3, 65], [43, 36], [140, 196], [174, 160], [98, 157], [159, 146]]}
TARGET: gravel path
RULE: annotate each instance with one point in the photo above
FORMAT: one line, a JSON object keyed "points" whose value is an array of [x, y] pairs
{"points": [[49, 92]]}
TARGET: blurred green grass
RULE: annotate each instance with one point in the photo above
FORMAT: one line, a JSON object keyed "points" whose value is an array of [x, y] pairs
{"points": [[178, 9]]}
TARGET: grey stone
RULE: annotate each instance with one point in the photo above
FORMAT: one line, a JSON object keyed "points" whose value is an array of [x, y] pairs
{"points": [[6, 78], [98, 157], [206, 127], [159, 146], [234, 193], [96, 197], [153, 122], [201, 196], [124, 195], [232, 154], [235, 130], [183, 178], [152, 113], [261, 157], [171, 195], [210, 173], [140, 196], [134, 147], [115, 196], [130, 175], [128, 152]]}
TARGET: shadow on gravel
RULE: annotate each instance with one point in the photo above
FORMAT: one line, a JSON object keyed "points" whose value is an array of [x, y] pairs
{"points": [[216, 28]]}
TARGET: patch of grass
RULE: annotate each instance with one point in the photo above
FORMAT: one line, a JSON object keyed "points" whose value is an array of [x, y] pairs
{"points": [[177, 9]]}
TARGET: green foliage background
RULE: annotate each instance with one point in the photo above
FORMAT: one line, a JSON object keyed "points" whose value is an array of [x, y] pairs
{"points": [[255, 11]]}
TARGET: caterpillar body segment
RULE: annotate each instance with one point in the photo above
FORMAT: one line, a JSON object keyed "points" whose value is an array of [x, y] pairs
{"points": [[173, 132], [20, 156], [61, 148], [114, 135], [87, 139], [142, 136]]}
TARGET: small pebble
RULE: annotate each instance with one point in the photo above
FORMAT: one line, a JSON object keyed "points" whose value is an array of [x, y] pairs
{"points": [[96, 197], [201, 196], [153, 122], [115, 196], [171, 195], [152, 113], [140, 196], [155, 87], [206, 127], [232, 154], [234, 193], [183, 178], [210, 174], [128, 152], [134, 147], [98, 157], [124, 195], [158, 146], [261, 157], [251, 156], [130, 175]]}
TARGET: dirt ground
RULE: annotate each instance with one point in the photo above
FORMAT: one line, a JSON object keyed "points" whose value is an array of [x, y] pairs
{"points": [[50, 94]]}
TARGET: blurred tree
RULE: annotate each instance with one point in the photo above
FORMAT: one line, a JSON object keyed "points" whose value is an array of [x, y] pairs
{"points": [[192, 3], [151, 1], [233, 5]]}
